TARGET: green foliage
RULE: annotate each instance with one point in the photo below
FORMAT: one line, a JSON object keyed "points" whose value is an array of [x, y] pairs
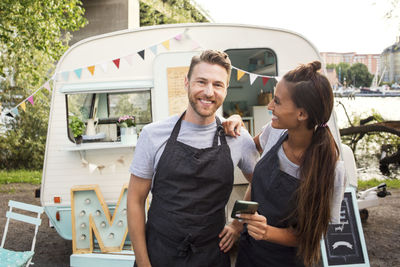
{"points": [[20, 176], [359, 75], [391, 183], [33, 36], [341, 70], [149, 15], [76, 126]]}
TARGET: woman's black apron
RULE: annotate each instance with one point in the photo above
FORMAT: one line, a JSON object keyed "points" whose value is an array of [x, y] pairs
{"points": [[274, 190], [190, 190]]}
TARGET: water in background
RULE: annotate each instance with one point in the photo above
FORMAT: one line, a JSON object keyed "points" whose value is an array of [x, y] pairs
{"points": [[388, 108]]}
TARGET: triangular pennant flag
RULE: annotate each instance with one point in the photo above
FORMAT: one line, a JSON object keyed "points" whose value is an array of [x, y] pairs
{"points": [[129, 59], [116, 62], [78, 72], [104, 66], [265, 80], [112, 167], [15, 111], [154, 49], [195, 45], [65, 75], [278, 78], [23, 106], [178, 37], [92, 167], [166, 44], [30, 99], [141, 54], [9, 114], [253, 77], [240, 74], [47, 86], [91, 69]]}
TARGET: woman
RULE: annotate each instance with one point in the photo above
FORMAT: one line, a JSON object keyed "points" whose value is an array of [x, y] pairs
{"points": [[298, 182]]}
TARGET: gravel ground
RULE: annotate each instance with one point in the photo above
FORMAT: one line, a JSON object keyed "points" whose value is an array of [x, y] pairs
{"points": [[381, 231]]}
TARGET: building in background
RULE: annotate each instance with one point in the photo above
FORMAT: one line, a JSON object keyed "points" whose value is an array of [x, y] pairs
{"points": [[372, 61], [390, 58]]}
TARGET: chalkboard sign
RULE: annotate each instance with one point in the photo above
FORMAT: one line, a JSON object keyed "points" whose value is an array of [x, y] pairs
{"points": [[344, 244]]}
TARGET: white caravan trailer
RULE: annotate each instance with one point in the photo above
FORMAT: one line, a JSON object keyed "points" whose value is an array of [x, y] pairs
{"points": [[140, 72]]}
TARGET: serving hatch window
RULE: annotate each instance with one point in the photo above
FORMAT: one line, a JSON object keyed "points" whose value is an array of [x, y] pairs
{"points": [[100, 112]]}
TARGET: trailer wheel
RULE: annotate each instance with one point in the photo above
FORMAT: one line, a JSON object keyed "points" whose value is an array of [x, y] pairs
{"points": [[364, 215]]}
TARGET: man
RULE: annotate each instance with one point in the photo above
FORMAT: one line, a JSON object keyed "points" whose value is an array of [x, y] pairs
{"points": [[188, 163]]}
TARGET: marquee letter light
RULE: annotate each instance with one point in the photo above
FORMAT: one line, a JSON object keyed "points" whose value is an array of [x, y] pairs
{"points": [[90, 214]]}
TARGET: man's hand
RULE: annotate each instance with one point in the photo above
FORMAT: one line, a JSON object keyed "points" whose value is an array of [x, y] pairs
{"points": [[229, 235], [232, 125]]}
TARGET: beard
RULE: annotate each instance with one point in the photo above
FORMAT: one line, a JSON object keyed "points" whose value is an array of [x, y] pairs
{"points": [[199, 109]]}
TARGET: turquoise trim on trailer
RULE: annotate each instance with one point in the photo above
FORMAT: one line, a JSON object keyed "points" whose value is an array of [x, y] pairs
{"points": [[120, 259]]}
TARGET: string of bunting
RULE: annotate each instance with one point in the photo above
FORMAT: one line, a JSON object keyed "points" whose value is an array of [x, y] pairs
{"points": [[154, 49], [93, 166]]}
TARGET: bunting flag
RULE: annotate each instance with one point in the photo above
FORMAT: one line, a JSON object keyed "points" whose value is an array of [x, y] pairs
{"points": [[15, 111], [30, 99], [47, 86], [141, 54], [104, 66], [23, 106], [92, 167], [78, 72], [153, 49], [166, 44], [253, 77], [65, 75], [129, 59], [116, 62], [91, 69], [240, 74], [265, 80], [9, 114], [178, 37]]}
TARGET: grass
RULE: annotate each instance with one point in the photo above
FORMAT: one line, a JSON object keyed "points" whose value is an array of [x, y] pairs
{"points": [[390, 183], [20, 176]]}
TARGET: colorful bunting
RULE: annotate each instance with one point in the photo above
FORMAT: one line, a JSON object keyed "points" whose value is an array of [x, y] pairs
{"points": [[166, 44], [178, 37], [15, 111], [78, 72], [153, 49], [30, 99], [116, 62], [23, 106], [9, 114], [253, 77], [240, 74], [141, 54], [91, 69], [65, 75], [104, 66], [47, 86], [265, 80], [129, 59]]}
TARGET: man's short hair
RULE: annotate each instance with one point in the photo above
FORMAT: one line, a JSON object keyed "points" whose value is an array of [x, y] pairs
{"points": [[212, 57]]}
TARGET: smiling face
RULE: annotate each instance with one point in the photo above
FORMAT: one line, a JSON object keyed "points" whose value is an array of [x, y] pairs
{"points": [[207, 90], [286, 115]]}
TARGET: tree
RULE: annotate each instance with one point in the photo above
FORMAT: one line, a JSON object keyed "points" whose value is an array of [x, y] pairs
{"points": [[359, 75], [33, 36], [342, 71]]}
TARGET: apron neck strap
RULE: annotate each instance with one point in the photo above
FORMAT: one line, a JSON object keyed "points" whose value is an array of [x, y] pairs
{"points": [[219, 132]]}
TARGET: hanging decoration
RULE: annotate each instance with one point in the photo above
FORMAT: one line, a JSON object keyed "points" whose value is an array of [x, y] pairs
{"points": [[65, 75], [93, 166]]}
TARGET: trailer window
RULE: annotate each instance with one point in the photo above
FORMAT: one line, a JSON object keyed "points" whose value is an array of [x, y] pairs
{"points": [[243, 96], [104, 109]]}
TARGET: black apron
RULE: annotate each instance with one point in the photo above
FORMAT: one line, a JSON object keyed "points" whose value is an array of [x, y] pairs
{"points": [[275, 191], [190, 190]]}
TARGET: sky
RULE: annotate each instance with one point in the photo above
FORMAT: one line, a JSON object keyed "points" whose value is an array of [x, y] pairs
{"points": [[331, 25]]}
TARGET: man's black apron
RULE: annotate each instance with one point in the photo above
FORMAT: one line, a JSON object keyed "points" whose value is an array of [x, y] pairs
{"points": [[275, 191], [190, 190]]}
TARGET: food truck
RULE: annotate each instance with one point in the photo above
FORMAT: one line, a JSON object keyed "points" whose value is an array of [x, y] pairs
{"points": [[140, 73]]}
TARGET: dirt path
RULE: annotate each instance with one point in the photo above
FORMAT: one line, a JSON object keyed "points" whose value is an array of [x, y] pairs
{"points": [[381, 231]]}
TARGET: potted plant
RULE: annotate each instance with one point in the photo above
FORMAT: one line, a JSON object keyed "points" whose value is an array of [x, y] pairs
{"points": [[127, 125], [77, 128]]}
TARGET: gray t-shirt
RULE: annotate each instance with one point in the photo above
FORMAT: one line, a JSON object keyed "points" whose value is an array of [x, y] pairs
{"points": [[268, 138], [154, 136]]}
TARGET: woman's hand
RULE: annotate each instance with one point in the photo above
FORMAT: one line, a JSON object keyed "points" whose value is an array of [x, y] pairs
{"points": [[257, 226], [229, 235], [232, 125]]}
